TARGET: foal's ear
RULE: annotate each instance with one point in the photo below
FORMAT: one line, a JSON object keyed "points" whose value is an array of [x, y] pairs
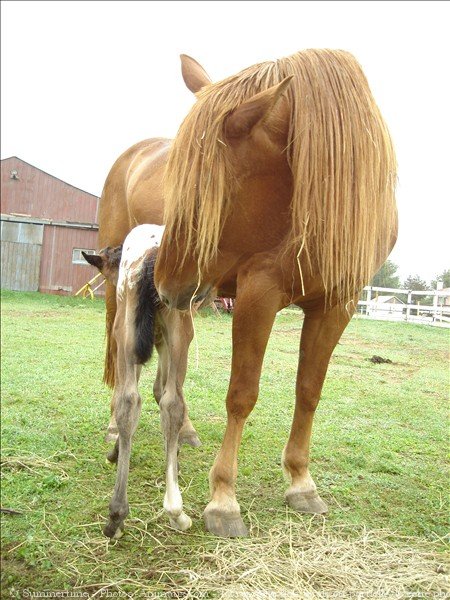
{"points": [[242, 120], [93, 259], [194, 75]]}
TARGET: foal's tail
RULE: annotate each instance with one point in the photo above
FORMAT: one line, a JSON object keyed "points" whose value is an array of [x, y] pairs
{"points": [[146, 307]]}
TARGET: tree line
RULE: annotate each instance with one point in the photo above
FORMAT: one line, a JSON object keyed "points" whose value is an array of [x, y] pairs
{"points": [[387, 277]]}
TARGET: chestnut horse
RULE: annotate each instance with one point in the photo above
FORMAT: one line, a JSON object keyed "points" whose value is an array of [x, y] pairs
{"points": [[132, 195], [279, 189]]}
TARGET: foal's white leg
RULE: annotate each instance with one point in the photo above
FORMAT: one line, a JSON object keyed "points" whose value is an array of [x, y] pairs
{"points": [[173, 411]]}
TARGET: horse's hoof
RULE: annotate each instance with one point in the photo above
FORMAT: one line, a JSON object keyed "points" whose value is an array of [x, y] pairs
{"points": [[182, 522], [190, 439], [113, 530], [225, 524], [306, 502]]}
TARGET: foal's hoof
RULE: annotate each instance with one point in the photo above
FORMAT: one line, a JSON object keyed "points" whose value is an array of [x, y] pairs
{"points": [[113, 454], [182, 522], [111, 435], [190, 438], [225, 524], [113, 530], [306, 502]]}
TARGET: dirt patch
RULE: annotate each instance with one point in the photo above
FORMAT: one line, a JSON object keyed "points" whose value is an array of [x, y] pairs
{"points": [[379, 360]]}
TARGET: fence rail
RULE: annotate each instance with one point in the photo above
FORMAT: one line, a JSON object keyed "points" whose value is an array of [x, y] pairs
{"points": [[383, 304]]}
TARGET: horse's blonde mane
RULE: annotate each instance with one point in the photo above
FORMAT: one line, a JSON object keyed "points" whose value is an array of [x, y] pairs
{"points": [[344, 217]]}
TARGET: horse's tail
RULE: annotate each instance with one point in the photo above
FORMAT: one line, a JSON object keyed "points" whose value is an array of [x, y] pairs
{"points": [[109, 370], [146, 307]]}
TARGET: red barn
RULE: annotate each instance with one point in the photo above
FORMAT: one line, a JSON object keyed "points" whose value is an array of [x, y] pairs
{"points": [[45, 223]]}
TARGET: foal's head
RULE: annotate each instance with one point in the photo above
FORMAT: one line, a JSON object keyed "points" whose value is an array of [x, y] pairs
{"points": [[107, 262]]}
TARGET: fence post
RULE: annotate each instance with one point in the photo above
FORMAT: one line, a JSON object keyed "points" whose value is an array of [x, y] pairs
{"points": [[435, 305], [408, 310], [368, 299]]}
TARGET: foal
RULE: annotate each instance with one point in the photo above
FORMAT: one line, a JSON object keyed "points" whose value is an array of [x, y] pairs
{"points": [[141, 322]]}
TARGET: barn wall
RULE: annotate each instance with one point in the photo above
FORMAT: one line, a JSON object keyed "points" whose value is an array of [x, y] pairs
{"points": [[21, 245], [58, 274], [34, 196], [38, 194]]}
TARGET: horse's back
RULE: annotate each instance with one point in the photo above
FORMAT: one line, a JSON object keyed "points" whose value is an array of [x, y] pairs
{"points": [[132, 193]]}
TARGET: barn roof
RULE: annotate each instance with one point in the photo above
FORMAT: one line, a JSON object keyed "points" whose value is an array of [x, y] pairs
{"points": [[49, 174], [387, 299]]}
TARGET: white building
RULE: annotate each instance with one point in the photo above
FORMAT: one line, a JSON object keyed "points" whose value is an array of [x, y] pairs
{"points": [[384, 306]]}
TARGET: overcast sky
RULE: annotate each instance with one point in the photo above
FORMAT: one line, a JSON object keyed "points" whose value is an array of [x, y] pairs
{"points": [[83, 81]]}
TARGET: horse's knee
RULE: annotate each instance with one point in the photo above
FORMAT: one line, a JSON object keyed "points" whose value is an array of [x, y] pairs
{"points": [[308, 395], [172, 409], [241, 400], [127, 410]]}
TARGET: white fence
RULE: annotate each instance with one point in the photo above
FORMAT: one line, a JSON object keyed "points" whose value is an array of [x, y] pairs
{"points": [[384, 304]]}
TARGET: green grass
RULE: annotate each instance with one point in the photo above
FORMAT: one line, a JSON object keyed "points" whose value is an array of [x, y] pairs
{"points": [[378, 453]]}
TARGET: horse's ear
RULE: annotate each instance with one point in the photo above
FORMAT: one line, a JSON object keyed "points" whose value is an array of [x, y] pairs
{"points": [[194, 75], [242, 120], [93, 259]]}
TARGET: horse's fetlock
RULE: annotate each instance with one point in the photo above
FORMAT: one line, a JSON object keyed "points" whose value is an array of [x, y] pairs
{"points": [[118, 512]]}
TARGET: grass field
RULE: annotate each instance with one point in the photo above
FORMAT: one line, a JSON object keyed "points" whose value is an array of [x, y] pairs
{"points": [[378, 458]]}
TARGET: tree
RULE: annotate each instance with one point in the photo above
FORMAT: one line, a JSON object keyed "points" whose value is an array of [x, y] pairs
{"points": [[444, 277], [416, 284], [386, 276]]}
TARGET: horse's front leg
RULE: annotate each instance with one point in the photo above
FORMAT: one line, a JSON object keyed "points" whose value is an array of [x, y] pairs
{"points": [[320, 333], [257, 303]]}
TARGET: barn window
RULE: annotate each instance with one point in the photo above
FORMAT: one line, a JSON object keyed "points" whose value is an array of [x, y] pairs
{"points": [[77, 257]]}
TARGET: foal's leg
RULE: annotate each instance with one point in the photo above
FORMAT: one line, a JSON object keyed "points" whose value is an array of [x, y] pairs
{"points": [[257, 303], [320, 334], [113, 454], [183, 325], [173, 412], [127, 411]]}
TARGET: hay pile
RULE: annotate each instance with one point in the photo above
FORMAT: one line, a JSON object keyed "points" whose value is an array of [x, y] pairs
{"points": [[298, 560]]}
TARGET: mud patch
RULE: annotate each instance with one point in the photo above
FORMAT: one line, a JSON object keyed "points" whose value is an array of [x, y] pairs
{"points": [[379, 360]]}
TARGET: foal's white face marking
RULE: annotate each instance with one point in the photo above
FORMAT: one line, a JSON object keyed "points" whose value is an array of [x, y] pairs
{"points": [[140, 239]]}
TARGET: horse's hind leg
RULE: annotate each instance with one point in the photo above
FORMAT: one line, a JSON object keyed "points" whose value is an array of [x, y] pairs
{"points": [[320, 334], [110, 367]]}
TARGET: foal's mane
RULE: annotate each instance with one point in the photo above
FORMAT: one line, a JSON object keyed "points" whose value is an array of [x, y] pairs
{"points": [[339, 150]]}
